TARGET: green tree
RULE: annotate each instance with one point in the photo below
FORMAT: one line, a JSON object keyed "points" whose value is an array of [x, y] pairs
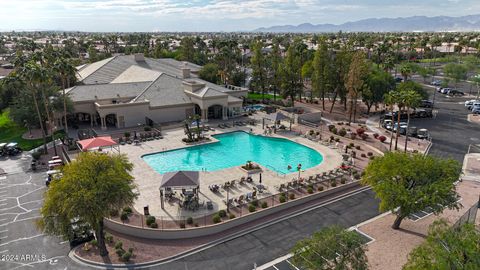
{"points": [[292, 83], [411, 100], [275, 60], [377, 84], [407, 183], [209, 72], [187, 49], [355, 80], [91, 188], [320, 71], [331, 248], [455, 72], [390, 100], [447, 248], [259, 69], [64, 68]]}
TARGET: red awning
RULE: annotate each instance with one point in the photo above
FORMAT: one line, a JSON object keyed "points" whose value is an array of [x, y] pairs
{"points": [[96, 142]]}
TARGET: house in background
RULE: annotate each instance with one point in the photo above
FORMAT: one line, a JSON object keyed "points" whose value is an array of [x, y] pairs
{"points": [[130, 90]]}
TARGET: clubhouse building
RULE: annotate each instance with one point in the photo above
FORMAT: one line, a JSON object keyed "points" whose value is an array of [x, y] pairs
{"points": [[130, 90]]}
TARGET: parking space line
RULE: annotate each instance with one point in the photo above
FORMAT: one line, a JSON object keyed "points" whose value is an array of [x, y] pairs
{"points": [[3, 251], [3, 237], [3, 231]]}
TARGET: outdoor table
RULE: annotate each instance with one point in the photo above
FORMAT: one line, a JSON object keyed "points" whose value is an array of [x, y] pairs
{"points": [[209, 205]]}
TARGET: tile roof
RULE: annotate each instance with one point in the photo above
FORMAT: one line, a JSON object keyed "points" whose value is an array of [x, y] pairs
{"points": [[164, 91], [106, 91]]}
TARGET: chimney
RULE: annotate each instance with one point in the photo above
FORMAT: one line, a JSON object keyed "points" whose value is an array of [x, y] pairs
{"points": [[185, 70], [192, 86], [139, 57]]}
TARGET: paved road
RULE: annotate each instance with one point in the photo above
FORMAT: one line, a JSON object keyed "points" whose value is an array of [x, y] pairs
{"points": [[450, 130], [22, 245], [265, 244]]}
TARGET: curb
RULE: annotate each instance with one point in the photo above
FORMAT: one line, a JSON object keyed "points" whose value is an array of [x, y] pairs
{"points": [[200, 248]]}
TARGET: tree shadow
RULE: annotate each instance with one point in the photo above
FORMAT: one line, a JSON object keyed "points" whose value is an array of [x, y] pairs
{"points": [[413, 233]]}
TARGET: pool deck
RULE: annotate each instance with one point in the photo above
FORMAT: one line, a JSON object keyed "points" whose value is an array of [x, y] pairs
{"points": [[148, 180]]}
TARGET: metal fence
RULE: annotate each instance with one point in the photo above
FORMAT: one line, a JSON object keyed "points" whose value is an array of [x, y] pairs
{"points": [[469, 216]]}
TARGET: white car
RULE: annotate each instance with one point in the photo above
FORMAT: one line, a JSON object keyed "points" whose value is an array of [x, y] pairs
{"points": [[470, 102], [476, 110], [475, 106]]}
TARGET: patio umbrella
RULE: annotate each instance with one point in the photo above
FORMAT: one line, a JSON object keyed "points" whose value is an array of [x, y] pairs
{"points": [[260, 178]]}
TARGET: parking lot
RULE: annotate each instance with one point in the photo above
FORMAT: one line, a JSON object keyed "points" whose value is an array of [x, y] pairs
{"points": [[22, 244]]}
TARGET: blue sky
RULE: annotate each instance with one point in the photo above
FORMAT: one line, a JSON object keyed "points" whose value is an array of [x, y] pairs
{"points": [[210, 15]]}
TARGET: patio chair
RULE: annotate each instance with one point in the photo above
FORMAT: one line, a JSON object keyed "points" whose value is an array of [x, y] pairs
{"points": [[233, 183], [242, 180], [226, 125], [240, 199]]}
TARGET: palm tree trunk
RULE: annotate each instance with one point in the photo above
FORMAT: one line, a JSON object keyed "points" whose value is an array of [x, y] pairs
{"points": [[39, 115], [398, 128], [391, 132], [406, 132], [65, 107], [45, 103]]}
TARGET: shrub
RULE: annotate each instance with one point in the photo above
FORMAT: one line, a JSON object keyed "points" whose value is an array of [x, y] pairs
{"points": [[330, 127], [351, 144], [127, 210], [363, 155], [252, 208], [182, 225], [360, 131], [342, 132], [124, 216], [334, 131], [94, 242], [154, 225], [332, 138], [126, 256], [333, 183], [356, 176], [36, 155], [255, 203], [150, 220], [320, 188], [353, 136], [375, 135], [189, 220], [109, 238], [340, 123], [372, 157], [118, 245], [216, 218], [127, 134], [222, 213], [343, 181], [264, 204], [147, 128], [231, 216], [358, 147], [291, 196], [309, 190], [282, 199], [114, 213], [364, 136], [369, 154], [120, 252], [382, 138], [337, 139], [130, 249], [196, 224]]}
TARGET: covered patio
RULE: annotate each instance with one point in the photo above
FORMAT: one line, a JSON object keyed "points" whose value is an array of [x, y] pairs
{"points": [[186, 181], [276, 118], [97, 143]]}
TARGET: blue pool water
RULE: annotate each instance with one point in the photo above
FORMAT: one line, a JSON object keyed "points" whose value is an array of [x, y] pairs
{"points": [[234, 149], [256, 107]]}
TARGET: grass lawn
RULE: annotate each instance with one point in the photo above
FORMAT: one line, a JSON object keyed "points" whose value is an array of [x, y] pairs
{"points": [[258, 96], [11, 132]]}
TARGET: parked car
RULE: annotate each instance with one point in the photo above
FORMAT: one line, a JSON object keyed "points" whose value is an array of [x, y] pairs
{"points": [[476, 110], [445, 90], [403, 127], [423, 134], [454, 92], [2, 149], [470, 102], [436, 83], [439, 89], [79, 232], [473, 106], [426, 104], [412, 131], [12, 149], [423, 113]]}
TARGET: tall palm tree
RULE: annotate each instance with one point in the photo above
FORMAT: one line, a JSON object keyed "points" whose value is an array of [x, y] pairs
{"points": [[390, 100], [66, 70], [400, 101], [411, 99]]}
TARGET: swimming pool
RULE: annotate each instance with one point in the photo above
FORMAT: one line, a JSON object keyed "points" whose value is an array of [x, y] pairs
{"points": [[235, 149], [256, 107]]}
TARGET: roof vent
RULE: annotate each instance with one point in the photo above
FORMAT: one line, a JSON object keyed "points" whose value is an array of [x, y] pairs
{"points": [[185, 70], [139, 57]]}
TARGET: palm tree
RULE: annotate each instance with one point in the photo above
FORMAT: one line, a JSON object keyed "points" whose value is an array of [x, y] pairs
{"points": [[411, 99], [390, 100], [406, 71], [66, 70]]}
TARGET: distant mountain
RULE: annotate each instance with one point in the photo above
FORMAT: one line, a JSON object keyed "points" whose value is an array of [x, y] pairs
{"points": [[407, 24]]}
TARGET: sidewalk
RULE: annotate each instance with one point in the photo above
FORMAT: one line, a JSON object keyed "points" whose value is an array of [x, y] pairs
{"points": [[390, 247]]}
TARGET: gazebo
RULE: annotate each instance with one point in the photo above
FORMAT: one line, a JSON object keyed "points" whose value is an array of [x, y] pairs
{"points": [[97, 143], [276, 118], [183, 180]]}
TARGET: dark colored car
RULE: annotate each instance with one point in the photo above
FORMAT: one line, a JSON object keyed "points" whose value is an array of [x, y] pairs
{"points": [[426, 104], [398, 80], [455, 92], [423, 113]]}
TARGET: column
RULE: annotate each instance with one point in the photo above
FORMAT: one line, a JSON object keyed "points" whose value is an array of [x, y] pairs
{"points": [[205, 115], [104, 123], [91, 120], [225, 116]]}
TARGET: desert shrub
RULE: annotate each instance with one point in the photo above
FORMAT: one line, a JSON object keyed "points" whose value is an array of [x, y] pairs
{"points": [[342, 132], [353, 136], [320, 188], [126, 256], [360, 131], [382, 138], [309, 190], [343, 181], [332, 138], [369, 154], [231, 216], [340, 123], [189, 220], [330, 127], [216, 218], [264, 204], [255, 203], [375, 135], [150, 220], [372, 157], [337, 139], [120, 252], [282, 198], [182, 225], [154, 225], [334, 131], [124, 216], [222, 213], [118, 245], [358, 147], [109, 238], [252, 208], [351, 144], [127, 134], [363, 155], [364, 136], [291, 196], [333, 183], [130, 249], [127, 210], [94, 242]]}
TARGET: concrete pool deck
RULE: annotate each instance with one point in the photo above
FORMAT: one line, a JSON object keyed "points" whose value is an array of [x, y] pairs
{"points": [[148, 180]]}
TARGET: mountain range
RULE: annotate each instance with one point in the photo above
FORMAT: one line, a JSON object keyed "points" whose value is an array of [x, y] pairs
{"points": [[405, 24]]}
